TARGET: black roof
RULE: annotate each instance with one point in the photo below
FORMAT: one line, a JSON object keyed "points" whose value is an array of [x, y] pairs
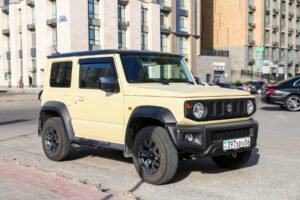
{"points": [[108, 51]]}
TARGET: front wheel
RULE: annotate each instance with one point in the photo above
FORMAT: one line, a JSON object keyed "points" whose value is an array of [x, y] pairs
{"points": [[292, 103], [154, 155], [232, 161]]}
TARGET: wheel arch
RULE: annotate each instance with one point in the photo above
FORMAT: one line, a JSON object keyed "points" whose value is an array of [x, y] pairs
{"points": [[56, 109], [145, 116]]}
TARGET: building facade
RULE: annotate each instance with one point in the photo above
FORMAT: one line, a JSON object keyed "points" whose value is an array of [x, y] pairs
{"points": [[261, 36], [33, 29]]}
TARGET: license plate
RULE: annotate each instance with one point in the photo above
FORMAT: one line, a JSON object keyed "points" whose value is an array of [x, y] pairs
{"points": [[236, 143]]}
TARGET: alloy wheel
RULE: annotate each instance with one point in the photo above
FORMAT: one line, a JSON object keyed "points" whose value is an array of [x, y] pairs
{"points": [[294, 103], [149, 157], [51, 140]]}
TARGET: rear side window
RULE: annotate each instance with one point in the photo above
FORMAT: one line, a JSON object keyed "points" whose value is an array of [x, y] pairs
{"points": [[92, 70], [297, 83], [61, 74]]}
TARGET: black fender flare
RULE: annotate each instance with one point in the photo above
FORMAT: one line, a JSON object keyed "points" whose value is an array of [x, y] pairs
{"points": [[62, 111], [161, 114]]}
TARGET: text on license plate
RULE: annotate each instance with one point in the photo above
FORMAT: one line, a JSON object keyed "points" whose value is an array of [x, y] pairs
{"points": [[236, 143]]}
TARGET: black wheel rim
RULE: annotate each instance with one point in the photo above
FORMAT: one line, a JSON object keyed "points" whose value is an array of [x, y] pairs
{"points": [[149, 157], [51, 140]]}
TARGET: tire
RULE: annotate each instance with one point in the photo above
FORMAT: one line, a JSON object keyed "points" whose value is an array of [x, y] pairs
{"points": [[283, 107], [292, 103], [232, 161], [154, 155], [56, 144]]}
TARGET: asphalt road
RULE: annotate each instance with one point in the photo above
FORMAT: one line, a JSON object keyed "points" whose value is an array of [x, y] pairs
{"points": [[272, 173]]}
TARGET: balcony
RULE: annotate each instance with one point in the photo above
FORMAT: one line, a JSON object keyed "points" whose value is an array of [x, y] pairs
{"points": [[31, 27], [297, 31], [123, 24], [297, 47], [123, 2], [33, 52], [95, 22], [275, 27], [251, 42], [268, 10], [251, 61], [290, 63], [5, 9], [30, 3], [93, 47], [6, 32], [165, 29], [291, 30], [165, 8], [252, 8], [290, 46], [251, 25], [291, 15], [275, 44], [145, 29], [8, 55], [52, 22], [275, 11]]}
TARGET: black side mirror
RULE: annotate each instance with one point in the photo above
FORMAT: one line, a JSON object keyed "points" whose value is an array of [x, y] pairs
{"points": [[108, 83]]}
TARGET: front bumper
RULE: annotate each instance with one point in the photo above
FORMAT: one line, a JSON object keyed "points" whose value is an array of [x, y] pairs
{"points": [[208, 140]]}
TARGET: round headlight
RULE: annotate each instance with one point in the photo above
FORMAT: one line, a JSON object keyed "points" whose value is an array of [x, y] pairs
{"points": [[198, 110], [250, 107]]}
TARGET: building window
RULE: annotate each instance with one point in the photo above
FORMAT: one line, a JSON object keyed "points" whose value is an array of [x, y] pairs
{"points": [[290, 55], [182, 46], [33, 38], [267, 3], [144, 41], [283, 8], [267, 20], [121, 38], [267, 37], [251, 18], [163, 19], [6, 2], [163, 43], [282, 40], [275, 6], [121, 13], [54, 37], [274, 20], [182, 4], [94, 35], [183, 23], [250, 3], [282, 24], [282, 54], [290, 24], [290, 40], [267, 53], [93, 9], [274, 54], [250, 53], [291, 11], [54, 9], [274, 37], [144, 17], [250, 35]]}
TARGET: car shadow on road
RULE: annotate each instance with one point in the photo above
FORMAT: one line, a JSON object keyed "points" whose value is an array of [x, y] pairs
{"points": [[207, 166], [272, 108], [89, 151]]}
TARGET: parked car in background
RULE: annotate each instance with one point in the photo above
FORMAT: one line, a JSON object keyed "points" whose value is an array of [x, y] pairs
{"points": [[244, 86], [225, 85], [286, 94], [258, 85]]}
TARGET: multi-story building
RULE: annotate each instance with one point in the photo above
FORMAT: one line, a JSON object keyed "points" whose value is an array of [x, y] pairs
{"points": [[33, 29], [262, 36]]}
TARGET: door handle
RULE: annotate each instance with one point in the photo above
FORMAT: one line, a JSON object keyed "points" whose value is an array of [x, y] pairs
{"points": [[80, 98]]}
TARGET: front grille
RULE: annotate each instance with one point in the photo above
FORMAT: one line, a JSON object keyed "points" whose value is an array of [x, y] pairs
{"points": [[231, 134], [221, 109]]}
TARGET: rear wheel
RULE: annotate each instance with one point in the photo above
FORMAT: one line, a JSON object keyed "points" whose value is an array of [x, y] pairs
{"points": [[292, 103], [55, 141], [232, 161], [154, 155]]}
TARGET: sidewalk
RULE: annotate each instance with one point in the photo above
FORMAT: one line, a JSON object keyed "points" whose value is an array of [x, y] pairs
{"points": [[19, 182], [21, 95]]}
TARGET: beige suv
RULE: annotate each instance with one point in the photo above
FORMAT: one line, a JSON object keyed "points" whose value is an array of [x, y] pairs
{"points": [[147, 105]]}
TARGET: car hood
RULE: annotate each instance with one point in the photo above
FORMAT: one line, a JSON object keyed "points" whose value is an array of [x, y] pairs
{"points": [[180, 91]]}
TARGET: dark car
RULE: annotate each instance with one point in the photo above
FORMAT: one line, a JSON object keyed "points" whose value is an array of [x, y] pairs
{"points": [[258, 85], [285, 94], [224, 85]]}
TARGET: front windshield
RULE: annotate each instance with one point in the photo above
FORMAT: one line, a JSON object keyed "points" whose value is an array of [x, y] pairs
{"points": [[155, 68]]}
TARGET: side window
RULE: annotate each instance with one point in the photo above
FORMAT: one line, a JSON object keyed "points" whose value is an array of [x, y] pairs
{"points": [[91, 72], [61, 75], [297, 83]]}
